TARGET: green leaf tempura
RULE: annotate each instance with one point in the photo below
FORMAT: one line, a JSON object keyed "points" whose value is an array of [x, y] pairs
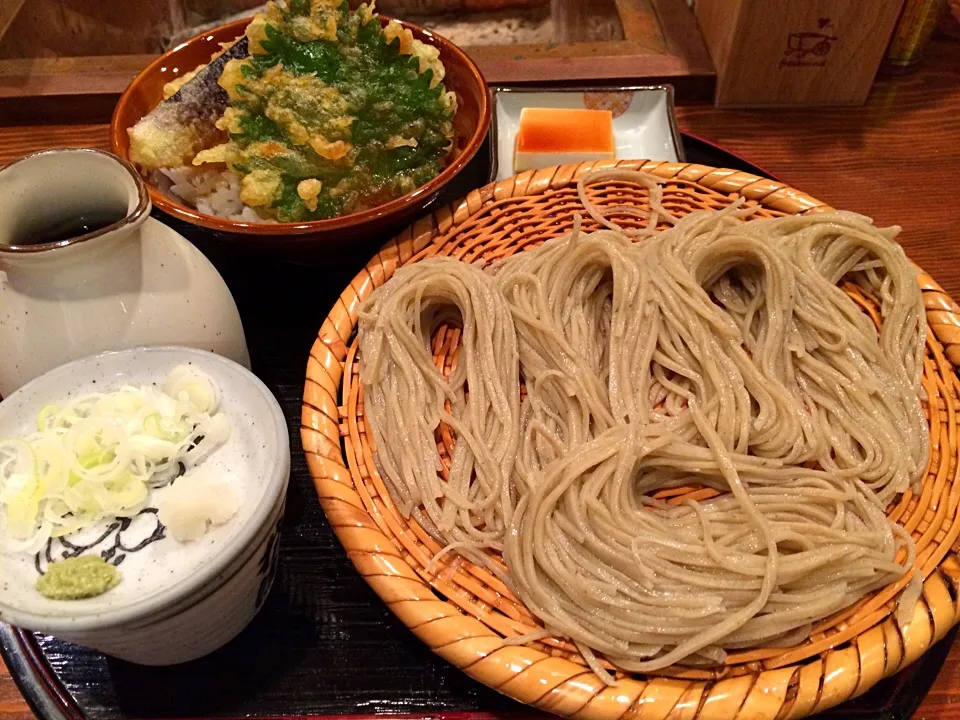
{"points": [[332, 113]]}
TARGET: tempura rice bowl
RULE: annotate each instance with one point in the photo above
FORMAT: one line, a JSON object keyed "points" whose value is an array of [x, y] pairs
{"points": [[471, 123]]}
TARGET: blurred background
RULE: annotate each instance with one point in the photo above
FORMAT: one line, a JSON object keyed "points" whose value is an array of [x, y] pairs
{"points": [[746, 53]]}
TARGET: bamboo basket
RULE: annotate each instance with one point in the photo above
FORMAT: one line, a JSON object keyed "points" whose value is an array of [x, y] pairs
{"points": [[462, 612]]}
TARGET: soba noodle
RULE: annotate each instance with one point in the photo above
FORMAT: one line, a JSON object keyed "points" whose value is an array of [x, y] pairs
{"points": [[719, 353], [467, 500]]}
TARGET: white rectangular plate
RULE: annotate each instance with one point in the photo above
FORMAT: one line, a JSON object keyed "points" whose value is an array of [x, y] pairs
{"points": [[644, 125]]}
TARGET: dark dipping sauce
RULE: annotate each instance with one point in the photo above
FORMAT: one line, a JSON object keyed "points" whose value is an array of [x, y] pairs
{"points": [[58, 229]]}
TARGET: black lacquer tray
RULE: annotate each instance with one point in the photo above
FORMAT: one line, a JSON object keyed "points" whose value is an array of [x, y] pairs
{"points": [[324, 644]]}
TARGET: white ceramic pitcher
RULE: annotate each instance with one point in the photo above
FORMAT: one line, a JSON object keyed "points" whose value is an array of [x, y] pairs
{"points": [[134, 282]]}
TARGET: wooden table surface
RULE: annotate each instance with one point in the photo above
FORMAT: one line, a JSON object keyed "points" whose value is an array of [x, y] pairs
{"points": [[897, 160]]}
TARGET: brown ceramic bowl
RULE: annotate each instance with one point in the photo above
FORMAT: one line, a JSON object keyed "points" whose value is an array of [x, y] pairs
{"points": [[471, 124]]}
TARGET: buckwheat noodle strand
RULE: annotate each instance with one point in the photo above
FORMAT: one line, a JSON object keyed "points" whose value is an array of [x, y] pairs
{"points": [[719, 353]]}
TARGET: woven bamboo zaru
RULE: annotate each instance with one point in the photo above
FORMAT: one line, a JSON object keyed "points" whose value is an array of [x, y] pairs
{"points": [[463, 613]]}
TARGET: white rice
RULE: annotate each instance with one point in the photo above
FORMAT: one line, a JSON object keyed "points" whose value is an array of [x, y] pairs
{"points": [[212, 192]]}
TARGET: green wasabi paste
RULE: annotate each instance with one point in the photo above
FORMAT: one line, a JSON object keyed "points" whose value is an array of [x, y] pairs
{"points": [[78, 577]]}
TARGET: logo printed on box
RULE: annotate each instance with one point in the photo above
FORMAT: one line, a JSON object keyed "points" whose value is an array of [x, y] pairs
{"points": [[809, 49]]}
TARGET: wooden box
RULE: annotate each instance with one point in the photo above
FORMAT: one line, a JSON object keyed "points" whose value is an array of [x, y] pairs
{"points": [[796, 52]]}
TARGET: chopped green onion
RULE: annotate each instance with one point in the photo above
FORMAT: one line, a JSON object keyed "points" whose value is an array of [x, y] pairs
{"points": [[97, 456]]}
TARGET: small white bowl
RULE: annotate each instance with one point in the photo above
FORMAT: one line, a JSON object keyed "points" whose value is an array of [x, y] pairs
{"points": [[176, 601], [644, 123]]}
